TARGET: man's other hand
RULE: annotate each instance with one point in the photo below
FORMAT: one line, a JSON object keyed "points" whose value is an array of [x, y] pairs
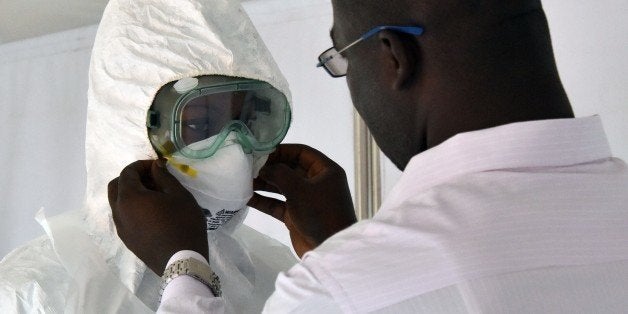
{"points": [[155, 215], [318, 202]]}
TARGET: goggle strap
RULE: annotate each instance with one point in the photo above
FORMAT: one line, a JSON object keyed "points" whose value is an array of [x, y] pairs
{"points": [[152, 120]]}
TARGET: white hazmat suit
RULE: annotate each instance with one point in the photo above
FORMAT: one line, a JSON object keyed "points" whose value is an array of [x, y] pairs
{"points": [[80, 265]]}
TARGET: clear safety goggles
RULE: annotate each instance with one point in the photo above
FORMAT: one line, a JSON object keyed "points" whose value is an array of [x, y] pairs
{"points": [[194, 116]]}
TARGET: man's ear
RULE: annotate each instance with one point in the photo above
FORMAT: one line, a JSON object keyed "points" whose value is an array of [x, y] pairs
{"points": [[401, 56]]}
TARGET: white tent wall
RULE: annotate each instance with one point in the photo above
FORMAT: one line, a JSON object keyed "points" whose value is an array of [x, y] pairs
{"points": [[43, 97]]}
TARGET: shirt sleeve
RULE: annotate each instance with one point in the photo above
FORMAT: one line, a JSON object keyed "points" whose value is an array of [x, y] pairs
{"points": [[185, 294], [299, 291]]}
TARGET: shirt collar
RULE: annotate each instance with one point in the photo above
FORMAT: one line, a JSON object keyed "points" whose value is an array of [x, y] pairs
{"points": [[533, 144]]}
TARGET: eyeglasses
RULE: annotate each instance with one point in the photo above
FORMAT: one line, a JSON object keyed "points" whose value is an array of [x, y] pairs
{"points": [[336, 64]]}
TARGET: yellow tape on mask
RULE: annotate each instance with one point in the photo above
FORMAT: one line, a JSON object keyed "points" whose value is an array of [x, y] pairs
{"points": [[169, 149], [185, 169]]}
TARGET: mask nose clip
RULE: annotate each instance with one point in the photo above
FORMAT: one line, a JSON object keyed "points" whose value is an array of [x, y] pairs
{"points": [[239, 128], [246, 149], [241, 132]]}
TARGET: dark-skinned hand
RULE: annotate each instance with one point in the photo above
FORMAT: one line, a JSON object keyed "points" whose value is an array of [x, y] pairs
{"points": [[155, 215], [318, 202]]}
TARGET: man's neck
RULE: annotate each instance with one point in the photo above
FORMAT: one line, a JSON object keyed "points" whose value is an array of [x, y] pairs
{"points": [[489, 103], [514, 79]]}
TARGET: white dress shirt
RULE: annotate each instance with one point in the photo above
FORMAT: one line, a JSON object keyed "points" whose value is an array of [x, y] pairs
{"points": [[524, 218]]}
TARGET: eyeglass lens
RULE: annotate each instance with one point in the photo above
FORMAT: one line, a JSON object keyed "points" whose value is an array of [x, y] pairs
{"points": [[334, 62]]}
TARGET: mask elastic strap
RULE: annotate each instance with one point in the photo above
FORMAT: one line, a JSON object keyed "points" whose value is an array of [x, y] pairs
{"points": [[169, 148]]}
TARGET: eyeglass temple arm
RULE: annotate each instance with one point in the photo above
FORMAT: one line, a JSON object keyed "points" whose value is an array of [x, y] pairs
{"points": [[323, 61], [403, 29], [413, 30]]}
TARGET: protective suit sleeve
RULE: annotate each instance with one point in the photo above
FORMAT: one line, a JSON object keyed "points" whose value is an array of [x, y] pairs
{"points": [[187, 295], [297, 291]]}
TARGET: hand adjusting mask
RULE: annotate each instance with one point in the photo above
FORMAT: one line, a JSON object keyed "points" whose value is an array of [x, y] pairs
{"points": [[215, 132]]}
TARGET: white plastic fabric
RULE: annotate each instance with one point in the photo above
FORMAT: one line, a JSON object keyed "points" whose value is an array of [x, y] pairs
{"points": [[81, 266]]}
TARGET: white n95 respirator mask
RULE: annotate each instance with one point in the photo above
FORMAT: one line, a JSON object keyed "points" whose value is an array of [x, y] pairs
{"points": [[221, 184]]}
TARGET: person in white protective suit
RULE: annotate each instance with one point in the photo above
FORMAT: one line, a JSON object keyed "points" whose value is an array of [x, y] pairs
{"points": [[163, 74]]}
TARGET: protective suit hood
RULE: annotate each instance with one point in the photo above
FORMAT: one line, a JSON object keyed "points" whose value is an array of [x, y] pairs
{"points": [[141, 46], [80, 265]]}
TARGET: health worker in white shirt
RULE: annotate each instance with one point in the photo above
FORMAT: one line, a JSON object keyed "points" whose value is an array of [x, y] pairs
{"points": [[507, 204]]}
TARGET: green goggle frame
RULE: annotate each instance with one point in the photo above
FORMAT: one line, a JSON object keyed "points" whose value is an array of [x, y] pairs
{"points": [[255, 111]]}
